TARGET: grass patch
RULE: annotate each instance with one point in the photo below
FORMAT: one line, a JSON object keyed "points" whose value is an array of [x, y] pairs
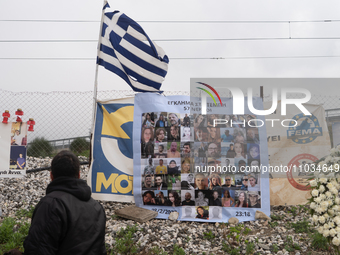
{"points": [[208, 235], [177, 250], [301, 226], [12, 234], [319, 242], [124, 241]]}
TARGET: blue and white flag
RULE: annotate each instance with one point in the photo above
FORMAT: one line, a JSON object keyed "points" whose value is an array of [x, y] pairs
{"points": [[126, 50]]}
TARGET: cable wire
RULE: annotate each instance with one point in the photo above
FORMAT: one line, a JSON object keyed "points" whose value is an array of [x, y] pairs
{"points": [[178, 40]]}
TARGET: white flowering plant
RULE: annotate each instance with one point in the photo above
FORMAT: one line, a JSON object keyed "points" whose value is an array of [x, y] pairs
{"points": [[325, 201]]}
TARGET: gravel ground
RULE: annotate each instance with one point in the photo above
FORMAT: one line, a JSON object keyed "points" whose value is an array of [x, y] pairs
{"points": [[275, 237]]}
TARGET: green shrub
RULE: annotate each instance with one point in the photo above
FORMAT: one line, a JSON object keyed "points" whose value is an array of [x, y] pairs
{"points": [[40, 147], [11, 239], [80, 145]]}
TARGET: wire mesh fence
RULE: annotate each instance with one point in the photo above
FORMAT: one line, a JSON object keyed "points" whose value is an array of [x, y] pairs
{"points": [[64, 119]]}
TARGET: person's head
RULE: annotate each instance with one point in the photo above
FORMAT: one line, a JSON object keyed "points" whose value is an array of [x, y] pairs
{"points": [[173, 147], [186, 115], [161, 117], [148, 196], [251, 133], [238, 149], [174, 130], [242, 197], [245, 180], [213, 180], [216, 212], [199, 118], [186, 148], [147, 180], [186, 166], [200, 210], [201, 134], [190, 177], [242, 165], [200, 195], [161, 194], [17, 132], [20, 155], [212, 132], [147, 134], [188, 211], [200, 181], [160, 134], [254, 163], [226, 194], [148, 116], [215, 194], [187, 196], [158, 180], [231, 146], [161, 162], [160, 148], [254, 151], [66, 164], [226, 132], [173, 197], [253, 197], [213, 150], [173, 118], [186, 133], [227, 181], [252, 180], [172, 164], [227, 162], [150, 161], [239, 138]]}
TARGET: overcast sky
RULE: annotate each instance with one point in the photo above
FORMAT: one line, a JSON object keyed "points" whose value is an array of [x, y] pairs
{"points": [[79, 75]]}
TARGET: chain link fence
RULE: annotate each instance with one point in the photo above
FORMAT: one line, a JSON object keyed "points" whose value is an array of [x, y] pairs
{"points": [[64, 119]]}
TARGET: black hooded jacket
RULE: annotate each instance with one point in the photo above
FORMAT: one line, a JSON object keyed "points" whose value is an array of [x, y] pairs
{"points": [[67, 221]]}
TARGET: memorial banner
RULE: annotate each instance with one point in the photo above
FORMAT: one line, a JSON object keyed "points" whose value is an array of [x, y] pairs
{"points": [[111, 172], [304, 140], [13, 146], [183, 162]]}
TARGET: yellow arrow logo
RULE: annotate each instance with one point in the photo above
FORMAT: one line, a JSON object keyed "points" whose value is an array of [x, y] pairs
{"points": [[112, 122]]}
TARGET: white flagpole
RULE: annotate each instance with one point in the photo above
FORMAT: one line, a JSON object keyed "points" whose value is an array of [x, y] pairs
{"points": [[96, 75], [96, 86]]}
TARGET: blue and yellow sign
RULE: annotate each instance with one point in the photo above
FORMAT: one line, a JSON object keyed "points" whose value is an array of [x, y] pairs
{"points": [[111, 175]]}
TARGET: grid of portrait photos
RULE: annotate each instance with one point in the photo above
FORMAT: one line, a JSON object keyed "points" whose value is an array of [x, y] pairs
{"points": [[188, 162]]}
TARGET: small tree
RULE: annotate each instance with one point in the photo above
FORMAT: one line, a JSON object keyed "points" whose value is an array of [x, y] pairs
{"points": [[40, 147], [79, 145]]}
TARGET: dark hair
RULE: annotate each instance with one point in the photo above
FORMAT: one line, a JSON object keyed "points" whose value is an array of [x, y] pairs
{"points": [[187, 143], [65, 163], [161, 145], [225, 192], [177, 200], [199, 208], [149, 192], [159, 130]]}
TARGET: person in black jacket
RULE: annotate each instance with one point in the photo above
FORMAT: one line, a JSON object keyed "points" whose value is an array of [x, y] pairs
{"points": [[67, 220]]}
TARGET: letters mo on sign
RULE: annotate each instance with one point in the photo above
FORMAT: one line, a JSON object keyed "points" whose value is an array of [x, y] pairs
{"points": [[238, 101]]}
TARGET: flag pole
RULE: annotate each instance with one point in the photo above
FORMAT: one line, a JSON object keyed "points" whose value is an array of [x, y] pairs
{"points": [[96, 74], [96, 83]]}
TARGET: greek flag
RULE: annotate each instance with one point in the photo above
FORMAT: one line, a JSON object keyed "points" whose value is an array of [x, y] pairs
{"points": [[126, 50]]}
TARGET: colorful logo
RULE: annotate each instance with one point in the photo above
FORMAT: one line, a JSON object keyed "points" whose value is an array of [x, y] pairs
{"points": [[307, 129], [209, 93]]}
